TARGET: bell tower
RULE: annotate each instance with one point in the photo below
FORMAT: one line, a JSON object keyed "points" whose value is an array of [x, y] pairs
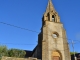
{"points": [[52, 42], [50, 14]]}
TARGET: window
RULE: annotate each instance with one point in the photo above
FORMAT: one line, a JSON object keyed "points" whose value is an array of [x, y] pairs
{"points": [[55, 35], [53, 18]]}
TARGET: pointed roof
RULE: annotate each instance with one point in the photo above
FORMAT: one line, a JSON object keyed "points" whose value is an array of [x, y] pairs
{"points": [[50, 6]]}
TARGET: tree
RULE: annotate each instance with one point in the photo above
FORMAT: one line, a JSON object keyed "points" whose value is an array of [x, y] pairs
{"points": [[16, 53], [3, 51], [11, 52], [72, 53]]}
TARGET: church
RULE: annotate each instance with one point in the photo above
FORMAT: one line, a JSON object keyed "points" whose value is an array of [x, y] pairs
{"points": [[52, 42]]}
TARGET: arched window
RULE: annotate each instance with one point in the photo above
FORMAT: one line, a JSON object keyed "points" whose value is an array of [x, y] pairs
{"points": [[53, 19]]}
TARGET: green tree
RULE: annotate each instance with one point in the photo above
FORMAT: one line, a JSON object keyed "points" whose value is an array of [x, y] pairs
{"points": [[16, 53], [11, 52], [3, 51], [73, 53]]}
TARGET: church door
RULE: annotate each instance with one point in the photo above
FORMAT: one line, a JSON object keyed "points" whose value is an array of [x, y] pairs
{"points": [[56, 58]]}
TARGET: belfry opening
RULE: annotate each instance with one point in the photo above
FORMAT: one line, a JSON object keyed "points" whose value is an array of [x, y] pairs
{"points": [[53, 18]]}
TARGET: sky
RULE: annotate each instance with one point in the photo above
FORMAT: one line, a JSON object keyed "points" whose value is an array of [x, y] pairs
{"points": [[28, 14]]}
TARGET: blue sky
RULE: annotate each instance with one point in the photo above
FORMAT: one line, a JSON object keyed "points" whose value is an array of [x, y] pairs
{"points": [[28, 14]]}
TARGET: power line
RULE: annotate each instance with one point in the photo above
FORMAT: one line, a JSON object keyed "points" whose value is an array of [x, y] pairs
{"points": [[18, 27], [32, 44], [16, 44], [33, 30], [25, 29]]}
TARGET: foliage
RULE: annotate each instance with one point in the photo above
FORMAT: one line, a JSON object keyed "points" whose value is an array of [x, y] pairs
{"points": [[11, 52], [16, 53], [72, 53], [3, 51]]}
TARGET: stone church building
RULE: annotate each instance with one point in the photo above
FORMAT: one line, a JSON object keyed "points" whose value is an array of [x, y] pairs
{"points": [[52, 42]]}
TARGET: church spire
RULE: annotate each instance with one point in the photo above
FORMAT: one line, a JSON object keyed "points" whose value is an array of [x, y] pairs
{"points": [[50, 7], [50, 14]]}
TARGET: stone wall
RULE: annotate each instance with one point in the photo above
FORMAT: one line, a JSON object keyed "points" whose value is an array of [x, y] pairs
{"points": [[14, 58]]}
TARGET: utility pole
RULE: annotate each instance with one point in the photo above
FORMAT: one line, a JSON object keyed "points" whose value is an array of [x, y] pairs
{"points": [[73, 50]]}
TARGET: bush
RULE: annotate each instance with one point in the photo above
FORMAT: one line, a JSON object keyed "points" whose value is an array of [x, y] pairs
{"points": [[3, 51], [16, 53], [11, 52]]}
